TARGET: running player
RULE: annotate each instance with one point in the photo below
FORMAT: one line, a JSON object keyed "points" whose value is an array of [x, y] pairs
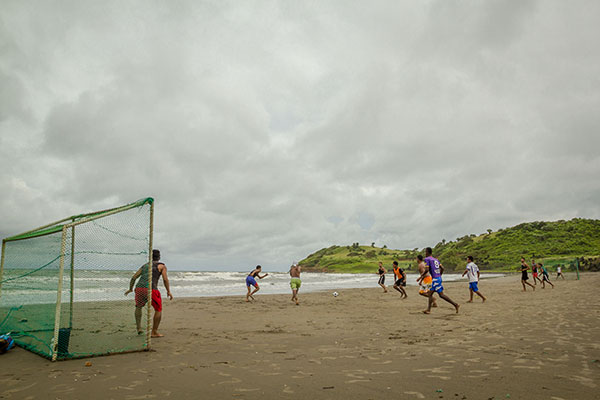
{"points": [[545, 276], [400, 280], [534, 272], [381, 273], [424, 279], [436, 270], [251, 281], [524, 276], [472, 272], [295, 281], [559, 272]]}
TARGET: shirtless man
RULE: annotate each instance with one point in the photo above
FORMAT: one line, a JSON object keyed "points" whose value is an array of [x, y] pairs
{"points": [[424, 279], [295, 281], [436, 270], [141, 292], [534, 272], [251, 281]]}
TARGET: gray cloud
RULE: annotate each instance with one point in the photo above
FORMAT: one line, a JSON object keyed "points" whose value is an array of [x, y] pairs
{"points": [[268, 130]]}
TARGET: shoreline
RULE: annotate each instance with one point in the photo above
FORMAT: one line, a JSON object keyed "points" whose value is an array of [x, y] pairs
{"points": [[363, 344]]}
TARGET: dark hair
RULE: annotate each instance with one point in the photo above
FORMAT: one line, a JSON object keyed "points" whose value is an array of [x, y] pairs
{"points": [[428, 251], [395, 263], [155, 255], [258, 267], [420, 257], [470, 258]]}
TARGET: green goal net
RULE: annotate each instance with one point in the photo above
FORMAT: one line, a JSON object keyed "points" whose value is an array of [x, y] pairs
{"points": [[62, 285]]}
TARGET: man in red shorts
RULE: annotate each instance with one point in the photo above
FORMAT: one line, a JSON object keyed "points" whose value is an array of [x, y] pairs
{"points": [[141, 292]]}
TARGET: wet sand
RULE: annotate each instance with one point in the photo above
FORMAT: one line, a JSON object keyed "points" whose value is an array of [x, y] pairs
{"points": [[364, 344]]}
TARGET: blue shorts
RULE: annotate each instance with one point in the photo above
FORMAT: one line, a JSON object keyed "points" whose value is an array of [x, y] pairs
{"points": [[436, 284], [250, 281], [473, 286]]}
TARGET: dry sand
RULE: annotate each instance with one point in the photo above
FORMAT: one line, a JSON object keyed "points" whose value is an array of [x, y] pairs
{"points": [[363, 344]]}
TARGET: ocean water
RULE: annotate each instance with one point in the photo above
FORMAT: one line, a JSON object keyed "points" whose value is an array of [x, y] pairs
{"points": [[91, 285]]}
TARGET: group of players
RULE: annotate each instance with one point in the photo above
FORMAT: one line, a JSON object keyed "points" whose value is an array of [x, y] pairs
{"points": [[429, 280], [537, 269]]}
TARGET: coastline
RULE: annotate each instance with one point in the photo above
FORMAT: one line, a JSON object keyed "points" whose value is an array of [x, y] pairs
{"points": [[362, 344]]}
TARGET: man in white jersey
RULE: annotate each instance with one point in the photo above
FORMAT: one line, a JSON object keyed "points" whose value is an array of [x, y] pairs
{"points": [[472, 272]]}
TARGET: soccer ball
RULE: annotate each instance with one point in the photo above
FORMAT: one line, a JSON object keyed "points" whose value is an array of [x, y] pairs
{"points": [[335, 294]]}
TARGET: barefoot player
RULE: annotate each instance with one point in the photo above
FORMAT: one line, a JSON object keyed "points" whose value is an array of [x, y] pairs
{"points": [[400, 280], [472, 272], [251, 281], [295, 281], [424, 279], [381, 272], [436, 270], [524, 276]]}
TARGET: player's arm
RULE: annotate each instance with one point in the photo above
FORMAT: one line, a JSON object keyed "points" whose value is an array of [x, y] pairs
{"points": [[260, 277], [463, 274], [163, 273], [133, 279]]}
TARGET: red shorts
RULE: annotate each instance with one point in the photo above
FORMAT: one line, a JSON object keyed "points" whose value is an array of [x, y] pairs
{"points": [[535, 275], [141, 298]]}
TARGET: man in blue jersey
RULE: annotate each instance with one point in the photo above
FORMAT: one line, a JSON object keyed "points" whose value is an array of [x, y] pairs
{"points": [[435, 269]]}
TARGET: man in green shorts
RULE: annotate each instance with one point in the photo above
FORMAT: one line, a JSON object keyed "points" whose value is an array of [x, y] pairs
{"points": [[295, 282]]}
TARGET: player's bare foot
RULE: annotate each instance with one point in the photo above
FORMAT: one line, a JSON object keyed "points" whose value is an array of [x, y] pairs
{"points": [[456, 306], [470, 301], [426, 312], [434, 305], [157, 335]]}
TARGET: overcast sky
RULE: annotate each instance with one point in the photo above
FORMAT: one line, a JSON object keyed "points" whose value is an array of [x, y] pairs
{"points": [[266, 130]]}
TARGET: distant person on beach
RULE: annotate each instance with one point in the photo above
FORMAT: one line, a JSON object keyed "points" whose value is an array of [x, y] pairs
{"points": [[436, 270], [524, 276], [545, 277], [141, 292], [424, 279], [559, 272], [400, 279], [534, 272], [295, 281], [251, 281], [381, 272], [472, 272]]}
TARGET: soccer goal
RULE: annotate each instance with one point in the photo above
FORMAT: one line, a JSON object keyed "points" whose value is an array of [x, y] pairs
{"points": [[62, 286]]}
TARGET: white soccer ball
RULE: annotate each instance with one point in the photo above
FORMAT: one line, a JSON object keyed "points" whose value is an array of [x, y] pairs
{"points": [[335, 294]]}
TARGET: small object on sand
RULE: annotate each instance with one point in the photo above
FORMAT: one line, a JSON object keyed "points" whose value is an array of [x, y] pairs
{"points": [[507, 396], [335, 294], [328, 387], [439, 391], [88, 363]]}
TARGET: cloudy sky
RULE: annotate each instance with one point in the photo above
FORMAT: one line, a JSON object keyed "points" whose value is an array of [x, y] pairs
{"points": [[266, 130]]}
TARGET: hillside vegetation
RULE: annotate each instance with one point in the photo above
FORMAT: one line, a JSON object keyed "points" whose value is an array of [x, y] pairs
{"points": [[553, 243]]}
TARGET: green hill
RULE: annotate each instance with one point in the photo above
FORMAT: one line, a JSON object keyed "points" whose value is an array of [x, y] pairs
{"points": [[553, 243]]}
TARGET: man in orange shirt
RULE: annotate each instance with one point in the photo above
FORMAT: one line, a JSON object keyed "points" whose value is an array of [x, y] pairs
{"points": [[400, 280]]}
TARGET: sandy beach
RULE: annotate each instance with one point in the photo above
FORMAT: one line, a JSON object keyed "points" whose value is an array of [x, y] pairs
{"points": [[364, 344]]}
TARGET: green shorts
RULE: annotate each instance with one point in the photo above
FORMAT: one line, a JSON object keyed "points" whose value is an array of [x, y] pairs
{"points": [[295, 283]]}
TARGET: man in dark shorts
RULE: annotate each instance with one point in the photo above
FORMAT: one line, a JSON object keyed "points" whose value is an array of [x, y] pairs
{"points": [[545, 277], [381, 272], [400, 280], [524, 276], [141, 292]]}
